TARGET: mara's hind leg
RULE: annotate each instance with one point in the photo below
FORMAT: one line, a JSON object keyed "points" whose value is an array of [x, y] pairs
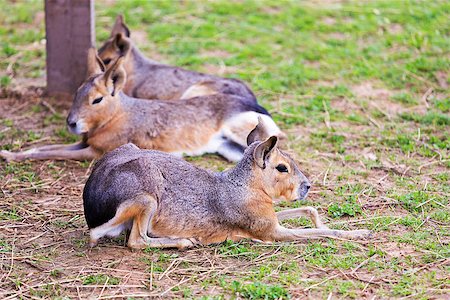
{"points": [[307, 211], [140, 210], [161, 242], [127, 211], [285, 234], [139, 232]]}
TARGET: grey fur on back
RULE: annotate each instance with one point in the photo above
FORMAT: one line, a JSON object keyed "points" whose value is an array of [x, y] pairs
{"points": [[218, 107], [180, 188], [155, 80]]}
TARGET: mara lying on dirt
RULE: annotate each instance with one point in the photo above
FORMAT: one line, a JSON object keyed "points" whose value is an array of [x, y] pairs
{"points": [[107, 118], [167, 202]]}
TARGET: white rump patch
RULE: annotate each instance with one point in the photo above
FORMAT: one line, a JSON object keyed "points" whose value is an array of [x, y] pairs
{"points": [[198, 89], [235, 130], [246, 120]]}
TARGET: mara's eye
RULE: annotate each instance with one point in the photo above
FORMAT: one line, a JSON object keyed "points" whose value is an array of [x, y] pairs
{"points": [[98, 100], [107, 61], [282, 168]]}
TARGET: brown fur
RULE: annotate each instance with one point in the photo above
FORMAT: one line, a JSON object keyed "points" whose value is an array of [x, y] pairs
{"points": [[189, 137]]}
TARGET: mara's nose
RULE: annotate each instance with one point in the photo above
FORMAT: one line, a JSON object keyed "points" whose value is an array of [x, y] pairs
{"points": [[304, 189], [306, 184], [71, 122]]}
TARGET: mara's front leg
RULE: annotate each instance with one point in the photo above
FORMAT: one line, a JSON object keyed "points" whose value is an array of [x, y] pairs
{"points": [[78, 151], [74, 146], [307, 211], [285, 234]]}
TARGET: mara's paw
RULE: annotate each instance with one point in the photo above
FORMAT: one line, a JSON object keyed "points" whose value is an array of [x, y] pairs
{"points": [[92, 243], [138, 244], [187, 243], [261, 241]]}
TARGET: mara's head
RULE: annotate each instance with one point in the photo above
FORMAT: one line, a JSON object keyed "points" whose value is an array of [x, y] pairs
{"points": [[118, 44], [275, 171], [97, 99]]}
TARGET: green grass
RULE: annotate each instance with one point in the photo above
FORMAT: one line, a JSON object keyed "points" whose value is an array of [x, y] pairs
{"points": [[258, 290], [345, 80], [100, 279]]}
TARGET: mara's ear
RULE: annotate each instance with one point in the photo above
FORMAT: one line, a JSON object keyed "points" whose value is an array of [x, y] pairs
{"points": [[94, 63], [121, 43], [259, 133], [263, 151], [120, 27], [115, 77]]}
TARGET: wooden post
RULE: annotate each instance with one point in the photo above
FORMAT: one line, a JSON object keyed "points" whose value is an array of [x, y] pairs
{"points": [[69, 26]]}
